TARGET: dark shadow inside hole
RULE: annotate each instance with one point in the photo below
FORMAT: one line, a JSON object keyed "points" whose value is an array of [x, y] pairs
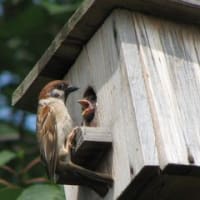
{"points": [[90, 94]]}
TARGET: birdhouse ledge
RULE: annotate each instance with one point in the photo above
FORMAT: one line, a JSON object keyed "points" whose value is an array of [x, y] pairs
{"points": [[91, 144]]}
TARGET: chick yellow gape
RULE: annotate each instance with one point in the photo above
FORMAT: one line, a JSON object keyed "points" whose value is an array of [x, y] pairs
{"points": [[88, 109]]}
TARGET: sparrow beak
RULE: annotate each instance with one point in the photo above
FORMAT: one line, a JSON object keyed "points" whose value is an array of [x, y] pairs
{"points": [[70, 89]]}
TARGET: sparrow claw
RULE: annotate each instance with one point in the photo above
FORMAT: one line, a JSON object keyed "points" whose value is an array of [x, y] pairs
{"points": [[70, 138]]}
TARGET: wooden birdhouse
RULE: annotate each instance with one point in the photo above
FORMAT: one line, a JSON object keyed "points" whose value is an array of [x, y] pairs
{"points": [[141, 59]]}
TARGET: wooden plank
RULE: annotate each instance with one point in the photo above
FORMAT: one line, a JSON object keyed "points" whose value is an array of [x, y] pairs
{"points": [[160, 93], [170, 68], [106, 68], [135, 77], [91, 145], [102, 70], [98, 134], [167, 127], [65, 48]]}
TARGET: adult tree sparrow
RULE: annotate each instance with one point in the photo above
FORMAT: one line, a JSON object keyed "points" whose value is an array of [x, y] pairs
{"points": [[53, 123]]}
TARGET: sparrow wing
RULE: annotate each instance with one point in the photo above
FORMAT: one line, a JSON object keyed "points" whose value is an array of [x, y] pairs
{"points": [[47, 137]]}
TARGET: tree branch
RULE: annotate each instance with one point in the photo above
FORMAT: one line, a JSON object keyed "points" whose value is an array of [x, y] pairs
{"points": [[8, 184], [30, 165], [36, 180]]}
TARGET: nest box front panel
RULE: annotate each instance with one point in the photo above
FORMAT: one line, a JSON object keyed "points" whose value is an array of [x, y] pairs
{"points": [[100, 66], [145, 74]]}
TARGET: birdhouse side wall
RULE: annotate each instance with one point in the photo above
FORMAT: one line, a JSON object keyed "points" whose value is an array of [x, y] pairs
{"points": [[163, 67], [145, 72]]}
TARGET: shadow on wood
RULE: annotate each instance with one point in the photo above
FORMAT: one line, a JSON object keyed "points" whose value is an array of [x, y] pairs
{"points": [[91, 144], [175, 182]]}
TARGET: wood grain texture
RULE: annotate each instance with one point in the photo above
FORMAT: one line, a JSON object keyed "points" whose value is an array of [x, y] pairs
{"points": [[145, 72], [135, 75], [65, 48], [91, 145], [98, 66], [172, 68]]}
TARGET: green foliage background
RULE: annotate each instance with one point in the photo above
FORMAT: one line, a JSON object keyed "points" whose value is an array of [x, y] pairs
{"points": [[27, 28]]}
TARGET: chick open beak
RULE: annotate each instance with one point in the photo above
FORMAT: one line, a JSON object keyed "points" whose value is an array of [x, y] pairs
{"points": [[84, 103], [87, 107]]}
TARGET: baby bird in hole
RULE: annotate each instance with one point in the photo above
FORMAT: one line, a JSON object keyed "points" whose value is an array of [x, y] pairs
{"points": [[88, 104]]}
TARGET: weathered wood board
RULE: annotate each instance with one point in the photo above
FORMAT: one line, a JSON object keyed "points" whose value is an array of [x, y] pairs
{"points": [[146, 74], [91, 145]]}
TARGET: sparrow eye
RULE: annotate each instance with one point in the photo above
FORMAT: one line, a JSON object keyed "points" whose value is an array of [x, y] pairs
{"points": [[61, 86], [55, 93]]}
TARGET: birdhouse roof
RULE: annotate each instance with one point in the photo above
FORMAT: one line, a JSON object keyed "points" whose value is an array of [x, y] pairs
{"points": [[66, 46]]}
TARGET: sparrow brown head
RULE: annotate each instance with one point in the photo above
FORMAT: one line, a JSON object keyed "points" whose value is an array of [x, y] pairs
{"points": [[53, 122], [58, 89]]}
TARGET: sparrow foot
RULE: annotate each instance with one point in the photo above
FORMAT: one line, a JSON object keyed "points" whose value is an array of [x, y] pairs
{"points": [[63, 154], [70, 139]]}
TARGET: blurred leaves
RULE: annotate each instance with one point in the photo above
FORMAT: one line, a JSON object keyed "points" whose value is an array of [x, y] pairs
{"points": [[46, 192], [19, 26], [10, 193], [6, 156], [55, 9], [27, 29], [34, 192], [7, 131]]}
